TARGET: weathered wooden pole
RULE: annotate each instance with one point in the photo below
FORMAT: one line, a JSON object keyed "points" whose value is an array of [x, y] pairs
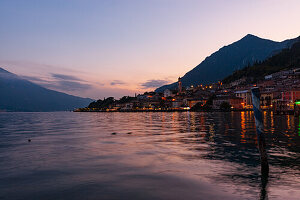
{"points": [[260, 131]]}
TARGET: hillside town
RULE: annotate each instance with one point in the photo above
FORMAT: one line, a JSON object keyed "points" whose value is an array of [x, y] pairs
{"points": [[280, 92]]}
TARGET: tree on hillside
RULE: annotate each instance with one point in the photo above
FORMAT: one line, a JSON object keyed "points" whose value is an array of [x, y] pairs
{"points": [[102, 104]]}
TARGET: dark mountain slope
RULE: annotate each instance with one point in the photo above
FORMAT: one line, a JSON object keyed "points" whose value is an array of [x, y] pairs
{"points": [[230, 58], [288, 58], [17, 94]]}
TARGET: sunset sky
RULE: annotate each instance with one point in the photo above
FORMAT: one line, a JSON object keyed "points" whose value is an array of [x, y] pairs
{"points": [[113, 48]]}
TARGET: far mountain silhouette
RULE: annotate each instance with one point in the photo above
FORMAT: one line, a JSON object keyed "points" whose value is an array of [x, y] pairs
{"points": [[17, 94]]}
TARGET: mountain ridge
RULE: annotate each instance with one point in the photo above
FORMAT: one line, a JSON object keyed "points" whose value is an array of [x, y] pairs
{"points": [[230, 58], [18, 94], [287, 59]]}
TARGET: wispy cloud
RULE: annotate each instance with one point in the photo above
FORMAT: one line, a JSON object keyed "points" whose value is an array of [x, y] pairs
{"points": [[71, 86], [67, 82], [154, 83], [117, 82], [61, 82], [99, 84], [34, 79], [65, 77]]}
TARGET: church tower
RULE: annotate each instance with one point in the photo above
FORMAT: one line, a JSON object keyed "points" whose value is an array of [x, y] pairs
{"points": [[179, 86]]}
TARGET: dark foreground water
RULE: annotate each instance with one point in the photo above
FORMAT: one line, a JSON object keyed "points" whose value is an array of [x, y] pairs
{"points": [[150, 156]]}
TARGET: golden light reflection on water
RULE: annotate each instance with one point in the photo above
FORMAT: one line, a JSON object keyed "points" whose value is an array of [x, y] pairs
{"points": [[189, 122], [289, 122], [265, 120], [272, 122], [163, 117], [202, 123], [173, 116], [193, 121], [243, 127]]}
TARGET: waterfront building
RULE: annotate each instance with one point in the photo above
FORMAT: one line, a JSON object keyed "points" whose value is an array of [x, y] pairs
{"points": [[245, 95], [282, 106], [177, 103], [290, 95], [190, 102], [151, 104], [127, 106], [266, 99], [233, 101]]}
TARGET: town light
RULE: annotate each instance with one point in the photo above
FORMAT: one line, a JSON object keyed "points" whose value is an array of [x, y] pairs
{"points": [[297, 102]]}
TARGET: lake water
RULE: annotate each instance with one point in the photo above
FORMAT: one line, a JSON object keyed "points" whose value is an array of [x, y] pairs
{"points": [[185, 155]]}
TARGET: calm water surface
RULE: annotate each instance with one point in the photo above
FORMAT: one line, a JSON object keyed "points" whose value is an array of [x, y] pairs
{"points": [[149, 156]]}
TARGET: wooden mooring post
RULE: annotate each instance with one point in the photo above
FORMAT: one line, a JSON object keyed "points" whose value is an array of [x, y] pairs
{"points": [[260, 132]]}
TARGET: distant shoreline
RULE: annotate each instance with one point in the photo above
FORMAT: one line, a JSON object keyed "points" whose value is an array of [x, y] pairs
{"points": [[182, 110]]}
